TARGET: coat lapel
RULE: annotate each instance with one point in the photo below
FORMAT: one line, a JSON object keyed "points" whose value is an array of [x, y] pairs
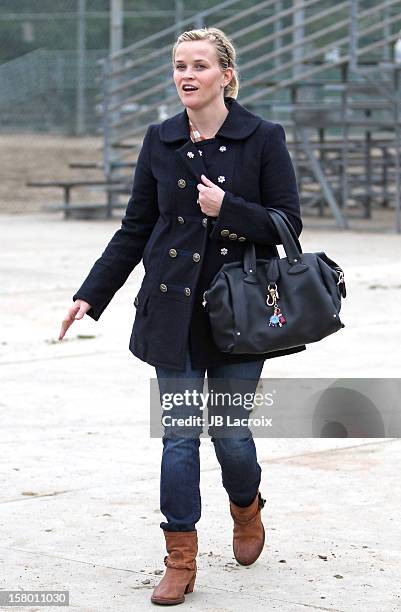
{"points": [[192, 160], [238, 125]]}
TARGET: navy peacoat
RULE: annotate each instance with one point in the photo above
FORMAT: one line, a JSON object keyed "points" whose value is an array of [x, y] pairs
{"points": [[182, 249]]}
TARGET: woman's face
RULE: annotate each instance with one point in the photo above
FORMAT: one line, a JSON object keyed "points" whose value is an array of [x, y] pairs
{"points": [[196, 63]]}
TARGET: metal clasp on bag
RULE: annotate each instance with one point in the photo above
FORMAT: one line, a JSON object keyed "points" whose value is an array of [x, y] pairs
{"points": [[273, 295], [341, 282], [277, 319], [340, 276]]}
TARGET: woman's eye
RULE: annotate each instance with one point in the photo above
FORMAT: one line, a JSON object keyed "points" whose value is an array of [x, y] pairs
{"points": [[179, 66]]}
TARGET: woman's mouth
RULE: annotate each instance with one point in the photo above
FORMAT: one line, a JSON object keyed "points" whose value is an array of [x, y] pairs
{"points": [[189, 88]]}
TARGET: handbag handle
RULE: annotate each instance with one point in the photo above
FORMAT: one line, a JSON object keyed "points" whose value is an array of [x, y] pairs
{"points": [[287, 234], [289, 225], [289, 240]]}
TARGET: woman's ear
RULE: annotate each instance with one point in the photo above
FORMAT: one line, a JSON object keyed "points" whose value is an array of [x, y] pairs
{"points": [[230, 75]]}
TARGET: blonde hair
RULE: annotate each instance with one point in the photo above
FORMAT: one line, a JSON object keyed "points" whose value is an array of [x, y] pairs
{"points": [[225, 52]]}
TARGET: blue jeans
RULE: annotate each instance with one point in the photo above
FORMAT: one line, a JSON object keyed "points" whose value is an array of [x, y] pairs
{"points": [[180, 499]]}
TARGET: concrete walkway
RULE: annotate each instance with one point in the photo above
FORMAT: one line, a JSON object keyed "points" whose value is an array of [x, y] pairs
{"points": [[80, 475]]}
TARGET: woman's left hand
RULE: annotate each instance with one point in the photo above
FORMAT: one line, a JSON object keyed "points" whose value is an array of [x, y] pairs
{"points": [[210, 197]]}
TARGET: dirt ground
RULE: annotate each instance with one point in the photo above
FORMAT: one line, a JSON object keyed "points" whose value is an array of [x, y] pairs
{"points": [[43, 157]]}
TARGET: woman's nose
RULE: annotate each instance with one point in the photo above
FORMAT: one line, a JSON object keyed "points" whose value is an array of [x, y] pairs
{"points": [[188, 72]]}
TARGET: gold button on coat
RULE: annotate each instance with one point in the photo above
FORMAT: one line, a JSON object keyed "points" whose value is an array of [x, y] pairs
{"points": [[196, 257], [187, 291], [241, 239], [232, 236], [172, 253], [224, 232], [163, 288], [181, 220], [182, 183]]}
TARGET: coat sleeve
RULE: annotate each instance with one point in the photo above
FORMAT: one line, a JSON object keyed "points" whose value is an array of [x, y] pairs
{"points": [[125, 249], [278, 190]]}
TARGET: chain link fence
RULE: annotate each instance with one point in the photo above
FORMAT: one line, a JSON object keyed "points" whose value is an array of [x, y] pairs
{"points": [[39, 92], [47, 80]]}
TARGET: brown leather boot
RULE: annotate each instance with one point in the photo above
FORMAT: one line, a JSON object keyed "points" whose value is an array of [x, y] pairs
{"points": [[180, 574], [249, 533]]}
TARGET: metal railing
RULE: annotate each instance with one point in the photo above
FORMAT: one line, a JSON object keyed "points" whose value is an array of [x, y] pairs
{"points": [[281, 45], [134, 94]]}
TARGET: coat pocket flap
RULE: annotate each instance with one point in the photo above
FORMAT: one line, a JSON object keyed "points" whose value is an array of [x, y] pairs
{"points": [[141, 299]]}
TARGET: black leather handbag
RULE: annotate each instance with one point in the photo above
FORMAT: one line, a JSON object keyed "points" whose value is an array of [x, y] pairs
{"points": [[258, 305]]}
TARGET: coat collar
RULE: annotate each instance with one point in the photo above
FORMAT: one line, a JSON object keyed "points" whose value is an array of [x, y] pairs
{"points": [[239, 124]]}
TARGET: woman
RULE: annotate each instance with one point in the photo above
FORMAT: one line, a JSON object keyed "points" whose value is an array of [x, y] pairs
{"points": [[202, 182]]}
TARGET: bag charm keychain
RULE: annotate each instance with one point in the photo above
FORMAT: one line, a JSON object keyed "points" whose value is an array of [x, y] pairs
{"points": [[277, 319]]}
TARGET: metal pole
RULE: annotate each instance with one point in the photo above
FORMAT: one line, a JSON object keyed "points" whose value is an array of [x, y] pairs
{"points": [[111, 117], [116, 43], [298, 36], [81, 62], [178, 15], [345, 141], [386, 34], [116, 25], [278, 7], [397, 139], [353, 35], [106, 134]]}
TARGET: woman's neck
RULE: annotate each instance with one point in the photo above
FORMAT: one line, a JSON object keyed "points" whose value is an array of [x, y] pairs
{"points": [[209, 119]]}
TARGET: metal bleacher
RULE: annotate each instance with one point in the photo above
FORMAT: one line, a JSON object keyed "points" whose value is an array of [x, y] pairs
{"points": [[325, 70]]}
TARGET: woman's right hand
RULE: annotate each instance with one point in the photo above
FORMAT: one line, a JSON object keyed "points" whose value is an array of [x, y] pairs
{"points": [[77, 311]]}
